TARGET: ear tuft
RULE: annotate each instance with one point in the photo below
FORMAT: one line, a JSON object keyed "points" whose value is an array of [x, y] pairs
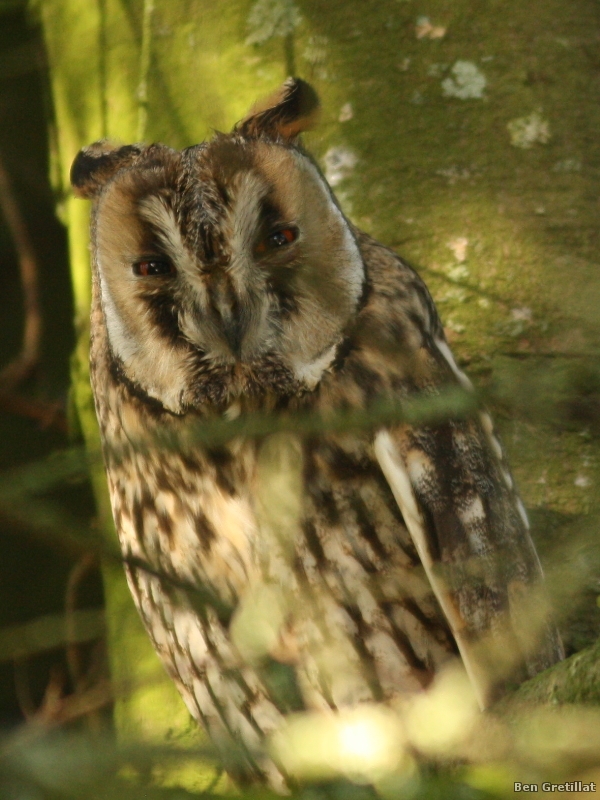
{"points": [[95, 165], [293, 108]]}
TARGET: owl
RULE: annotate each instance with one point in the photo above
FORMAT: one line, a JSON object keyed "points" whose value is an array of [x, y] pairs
{"points": [[305, 568]]}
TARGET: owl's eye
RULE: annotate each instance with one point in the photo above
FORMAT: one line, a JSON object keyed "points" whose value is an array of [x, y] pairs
{"points": [[277, 239], [153, 267], [282, 237]]}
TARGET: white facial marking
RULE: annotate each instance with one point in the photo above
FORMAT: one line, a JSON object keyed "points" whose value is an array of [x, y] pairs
{"points": [[164, 221], [311, 373], [245, 213], [356, 271], [121, 340]]}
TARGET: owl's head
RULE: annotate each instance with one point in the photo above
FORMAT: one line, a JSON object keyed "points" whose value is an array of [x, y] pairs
{"points": [[222, 257]]}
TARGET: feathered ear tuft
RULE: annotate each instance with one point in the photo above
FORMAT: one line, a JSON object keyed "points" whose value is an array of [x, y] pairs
{"points": [[293, 108], [95, 165]]}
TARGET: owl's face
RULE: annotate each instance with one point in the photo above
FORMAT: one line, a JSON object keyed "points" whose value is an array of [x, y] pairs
{"points": [[220, 258]]}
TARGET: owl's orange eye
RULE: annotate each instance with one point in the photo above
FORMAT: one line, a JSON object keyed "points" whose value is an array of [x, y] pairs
{"points": [[153, 267], [277, 239]]}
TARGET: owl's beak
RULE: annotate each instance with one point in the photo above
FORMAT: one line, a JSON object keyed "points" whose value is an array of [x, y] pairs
{"points": [[234, 334], [226, 307]]}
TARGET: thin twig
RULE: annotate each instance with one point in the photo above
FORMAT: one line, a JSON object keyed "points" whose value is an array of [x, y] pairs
{"points": [[452, 403], [49, 415], [504, 301], [58, 709], [23, 688], [50, 709], [79, 571], [521, 355], [22, 366], [49, 632]]}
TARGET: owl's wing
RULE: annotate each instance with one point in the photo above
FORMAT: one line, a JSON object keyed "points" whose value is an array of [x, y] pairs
{"points": [[468, 524]]}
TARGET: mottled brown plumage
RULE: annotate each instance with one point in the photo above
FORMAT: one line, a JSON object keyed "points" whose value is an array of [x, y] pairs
{"points": [[335, 568]]}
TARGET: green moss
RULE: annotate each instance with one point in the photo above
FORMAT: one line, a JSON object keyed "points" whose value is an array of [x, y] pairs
{"points": [[574, 681]]}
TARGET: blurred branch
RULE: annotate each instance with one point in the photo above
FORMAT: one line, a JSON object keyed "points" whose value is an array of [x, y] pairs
{"points": [[22, 366], [54, 528], [471, 287], [22, 506], [451, 403], [49, 415], [501, 300], [23, 689], [20, 488], [80, 570], [43, 475], [49, 632], [58, 709], [68, 764], [19, 505], [522, 355], [74, 463]]}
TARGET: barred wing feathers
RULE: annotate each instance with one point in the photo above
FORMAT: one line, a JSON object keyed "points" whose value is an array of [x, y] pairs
{"points": [[475, 548], [456, 494]]}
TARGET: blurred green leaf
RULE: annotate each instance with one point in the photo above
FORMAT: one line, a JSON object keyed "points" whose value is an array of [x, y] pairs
{"points": [[49, 631], [43, 475], [453, 402]]}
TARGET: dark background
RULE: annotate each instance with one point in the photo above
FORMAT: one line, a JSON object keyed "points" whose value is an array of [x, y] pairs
{"points": [[33, 576]]}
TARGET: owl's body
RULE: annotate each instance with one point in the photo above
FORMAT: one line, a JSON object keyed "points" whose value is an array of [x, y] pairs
{"points": [[332, 569]]}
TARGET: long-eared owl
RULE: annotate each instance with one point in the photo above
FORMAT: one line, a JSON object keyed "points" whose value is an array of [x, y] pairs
{"points": [[310, 568]]}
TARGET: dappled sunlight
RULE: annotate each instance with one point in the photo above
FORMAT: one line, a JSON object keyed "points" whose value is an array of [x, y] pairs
{"points": [[439, 721], [363, 744]]}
